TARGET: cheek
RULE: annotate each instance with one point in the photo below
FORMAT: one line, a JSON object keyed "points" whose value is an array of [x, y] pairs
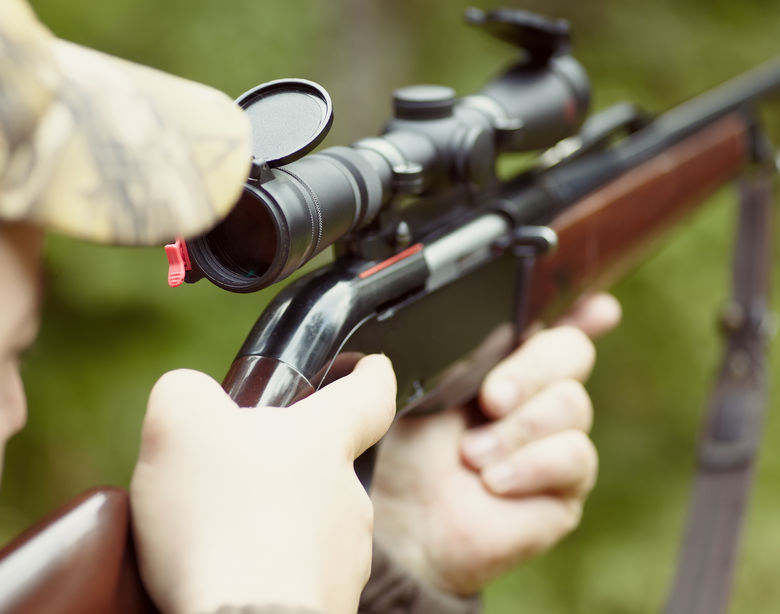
{"points": [[13, 405]]}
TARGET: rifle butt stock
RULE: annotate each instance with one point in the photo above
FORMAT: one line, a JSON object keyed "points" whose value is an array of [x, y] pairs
{"points": [[78, 560]]}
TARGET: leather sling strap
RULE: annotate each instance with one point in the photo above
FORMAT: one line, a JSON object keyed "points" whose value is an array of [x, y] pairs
{"points": [[733, 422]]}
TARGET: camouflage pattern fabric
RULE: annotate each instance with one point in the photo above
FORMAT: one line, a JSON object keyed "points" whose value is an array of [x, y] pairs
{"points": [[106, 150]]}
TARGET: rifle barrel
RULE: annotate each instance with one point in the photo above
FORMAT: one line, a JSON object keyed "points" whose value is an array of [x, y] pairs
{"points": [[740, 92], [559, 187]]}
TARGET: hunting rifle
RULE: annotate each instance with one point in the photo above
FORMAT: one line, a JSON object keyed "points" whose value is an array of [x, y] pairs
{"points": [[422, 226]]}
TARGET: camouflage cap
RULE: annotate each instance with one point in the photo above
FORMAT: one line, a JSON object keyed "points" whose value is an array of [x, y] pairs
{"points": [[106, 150]]}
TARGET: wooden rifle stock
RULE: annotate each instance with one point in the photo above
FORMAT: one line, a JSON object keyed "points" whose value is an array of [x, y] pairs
{"points": [[82, 559], [602, 236], [78, 560]]}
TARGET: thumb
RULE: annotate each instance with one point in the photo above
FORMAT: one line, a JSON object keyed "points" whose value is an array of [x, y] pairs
{"points": [[361, 404]]}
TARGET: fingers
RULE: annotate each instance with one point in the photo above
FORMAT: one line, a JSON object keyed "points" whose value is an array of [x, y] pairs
{"points": [[527, 529], [550, 355], [198, 389], [360, 406], [201, 496], [564, 405], [563, 463], [594, 315], [179, 400], [361, 403]]}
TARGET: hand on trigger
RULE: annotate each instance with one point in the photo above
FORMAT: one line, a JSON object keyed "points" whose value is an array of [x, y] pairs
{"points": [[261, 506], [459, 505]]}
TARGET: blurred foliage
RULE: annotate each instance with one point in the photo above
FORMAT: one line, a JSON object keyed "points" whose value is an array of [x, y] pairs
{"points": [[111, 326]]}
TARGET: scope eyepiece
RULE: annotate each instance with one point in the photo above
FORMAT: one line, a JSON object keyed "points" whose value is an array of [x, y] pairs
{"points": [[293, 214], [293, 206], [245, 251]]}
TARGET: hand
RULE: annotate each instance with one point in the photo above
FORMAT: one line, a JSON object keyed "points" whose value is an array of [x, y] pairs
{"points": [[256, 506], [460, 505]]}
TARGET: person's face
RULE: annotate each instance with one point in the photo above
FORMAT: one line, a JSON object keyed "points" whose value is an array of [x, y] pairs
{"points": [[20, 289]]}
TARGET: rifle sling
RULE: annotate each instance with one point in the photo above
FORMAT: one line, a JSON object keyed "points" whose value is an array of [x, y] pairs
{"points": [[733, 421]]}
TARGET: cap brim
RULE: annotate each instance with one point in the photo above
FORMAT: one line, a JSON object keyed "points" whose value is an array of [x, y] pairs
{"points": [[127, 154]]}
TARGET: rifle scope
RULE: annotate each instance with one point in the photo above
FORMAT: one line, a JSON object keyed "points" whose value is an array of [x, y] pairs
{"points": [[294, 205]]}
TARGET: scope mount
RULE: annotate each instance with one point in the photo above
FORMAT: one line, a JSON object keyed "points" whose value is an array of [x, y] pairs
{"points": [[289, 118], [541, 38]]}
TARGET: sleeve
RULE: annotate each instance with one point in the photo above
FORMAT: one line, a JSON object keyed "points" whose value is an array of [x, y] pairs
{"points": [[264, 609], [391, 590]]}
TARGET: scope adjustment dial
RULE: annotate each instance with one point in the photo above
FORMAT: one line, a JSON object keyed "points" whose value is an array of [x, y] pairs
{"points": [[423, 102]]}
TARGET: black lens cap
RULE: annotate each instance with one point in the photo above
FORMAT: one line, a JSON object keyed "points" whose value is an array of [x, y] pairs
{"points": [[289, 118]]}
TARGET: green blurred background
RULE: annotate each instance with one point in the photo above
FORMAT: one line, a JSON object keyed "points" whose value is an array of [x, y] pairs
{"points": [[111, 325]]}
